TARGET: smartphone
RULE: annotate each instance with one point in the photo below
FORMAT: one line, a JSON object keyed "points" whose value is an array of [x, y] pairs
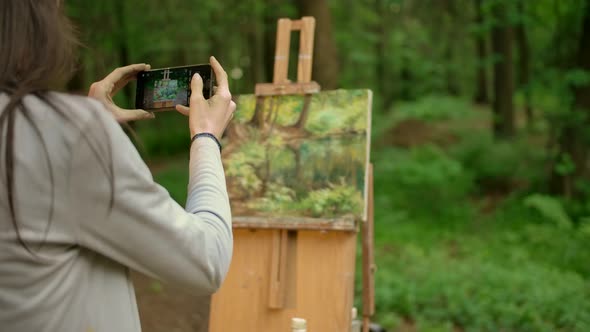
{"points": [[163, 89]]}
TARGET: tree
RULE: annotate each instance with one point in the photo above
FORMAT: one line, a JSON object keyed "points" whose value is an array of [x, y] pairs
{"points": [[326, 63], [382, 71], [573, 141], [304, 113], [481, 96], [503, 73], [449, 54], [119, 11], [523, 61]]}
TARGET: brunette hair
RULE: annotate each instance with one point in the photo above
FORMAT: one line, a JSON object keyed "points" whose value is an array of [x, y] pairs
{"points": [[38, 53]]}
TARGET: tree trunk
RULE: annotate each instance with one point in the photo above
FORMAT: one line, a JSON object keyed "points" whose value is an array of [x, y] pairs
{"points": [[256, 41], [406, 80], [524, 63], [582, 93], [449, 53], [382, 74], [270, 35], [258, 117], [572, 141], [503, 74], [304, 112], [123, 51], [481, 96], [325, 60]]}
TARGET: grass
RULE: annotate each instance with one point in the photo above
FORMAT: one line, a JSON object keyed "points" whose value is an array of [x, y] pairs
{"points": [[448, 259]]}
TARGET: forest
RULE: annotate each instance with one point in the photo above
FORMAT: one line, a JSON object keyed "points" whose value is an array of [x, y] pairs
{"points": [[479, 137]]}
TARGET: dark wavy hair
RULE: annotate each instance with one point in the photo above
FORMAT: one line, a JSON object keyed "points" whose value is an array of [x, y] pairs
{"points": [[38, 53]]}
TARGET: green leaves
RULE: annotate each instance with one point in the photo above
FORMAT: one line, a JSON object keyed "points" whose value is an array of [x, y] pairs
{"points": [[441, 292], [336, 200], [565, 165], [550, 208]]}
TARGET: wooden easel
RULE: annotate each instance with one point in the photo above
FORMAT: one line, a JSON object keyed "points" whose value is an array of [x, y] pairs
{"points": [[281, 85], [280, 266]]}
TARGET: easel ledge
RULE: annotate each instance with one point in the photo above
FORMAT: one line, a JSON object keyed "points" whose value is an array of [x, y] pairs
{"points": [[298, 223]]}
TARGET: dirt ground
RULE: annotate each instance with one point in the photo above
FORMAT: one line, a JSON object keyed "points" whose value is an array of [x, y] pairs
{"points": [[163, 308]]}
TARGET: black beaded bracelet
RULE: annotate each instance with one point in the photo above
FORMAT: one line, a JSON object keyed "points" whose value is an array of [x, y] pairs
{"points": [[207, 135]]}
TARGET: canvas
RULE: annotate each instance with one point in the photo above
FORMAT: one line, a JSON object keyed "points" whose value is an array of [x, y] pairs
{"points": [[295, 157]]}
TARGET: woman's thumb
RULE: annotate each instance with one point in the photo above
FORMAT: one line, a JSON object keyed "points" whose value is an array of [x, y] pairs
{"points": [[197, 86]]}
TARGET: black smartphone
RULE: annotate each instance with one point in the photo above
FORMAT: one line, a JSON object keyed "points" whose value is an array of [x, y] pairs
{"points": [[163, 89]]}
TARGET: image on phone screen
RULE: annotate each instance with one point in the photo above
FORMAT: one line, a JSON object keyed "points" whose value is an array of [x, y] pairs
{"points": [[166, 88]]}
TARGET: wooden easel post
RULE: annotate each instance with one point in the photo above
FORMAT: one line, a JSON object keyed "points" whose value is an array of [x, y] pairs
{"points": [[281, 84]]}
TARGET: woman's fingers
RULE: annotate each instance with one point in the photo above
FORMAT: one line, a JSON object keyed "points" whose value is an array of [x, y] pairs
{"points": [[231, 109], [122, 72], [221, 77], [125, 115], [105, 89], [123, 75], [197, 99], [183, 110]]}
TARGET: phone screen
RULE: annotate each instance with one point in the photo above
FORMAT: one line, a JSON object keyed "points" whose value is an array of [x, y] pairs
{"points": [[161, 89]]}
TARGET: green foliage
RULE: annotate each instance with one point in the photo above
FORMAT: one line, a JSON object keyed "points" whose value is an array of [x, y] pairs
{"points": [[425, 174], [337, 199], [165, 136], [243, 166], [500, 165], [339, 111], [550, 208], [433, 108], [278, 198], [475, 295]]}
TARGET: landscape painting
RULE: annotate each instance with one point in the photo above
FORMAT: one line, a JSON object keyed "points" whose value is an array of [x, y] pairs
{"points": [[299, 156]]}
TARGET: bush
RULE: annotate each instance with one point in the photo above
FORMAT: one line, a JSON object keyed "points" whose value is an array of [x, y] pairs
{"points": [[500, 165], [432, 108], [423, 181], [476, 295], [336, 200]]}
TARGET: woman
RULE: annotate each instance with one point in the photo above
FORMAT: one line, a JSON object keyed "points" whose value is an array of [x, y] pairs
{"points": [[79, 207]]}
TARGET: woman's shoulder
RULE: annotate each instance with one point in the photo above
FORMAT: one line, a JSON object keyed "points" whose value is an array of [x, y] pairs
{"points": [[82, 110], [77, 105]]}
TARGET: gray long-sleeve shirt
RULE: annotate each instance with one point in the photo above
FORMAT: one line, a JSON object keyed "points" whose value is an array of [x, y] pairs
{"points": [[78, 279]]}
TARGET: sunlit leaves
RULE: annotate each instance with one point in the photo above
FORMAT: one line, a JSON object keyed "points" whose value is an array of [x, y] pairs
{"points": [[336, 200]]}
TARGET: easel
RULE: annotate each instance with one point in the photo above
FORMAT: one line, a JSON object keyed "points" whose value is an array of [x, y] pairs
{"points": [[282, 268]]}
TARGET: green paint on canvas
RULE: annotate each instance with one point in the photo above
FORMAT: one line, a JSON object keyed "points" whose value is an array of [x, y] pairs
{"points": [[288, 156]]}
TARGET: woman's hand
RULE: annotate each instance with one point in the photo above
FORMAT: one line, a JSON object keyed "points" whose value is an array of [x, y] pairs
{"points": [[105, 90], [213, 115]]}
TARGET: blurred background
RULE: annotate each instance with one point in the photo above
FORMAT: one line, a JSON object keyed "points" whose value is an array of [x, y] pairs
{"points": [[480, 137]]}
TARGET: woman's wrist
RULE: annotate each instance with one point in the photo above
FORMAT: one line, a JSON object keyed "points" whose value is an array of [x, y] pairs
{"points": [[207, 135]]}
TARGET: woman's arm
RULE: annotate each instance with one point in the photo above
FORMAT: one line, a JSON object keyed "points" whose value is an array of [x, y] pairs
{"points": [[145, 229], [122, 213]]}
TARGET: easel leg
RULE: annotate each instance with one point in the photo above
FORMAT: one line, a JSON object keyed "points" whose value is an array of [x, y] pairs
{"points": [[368, 257], [366, 324]]}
